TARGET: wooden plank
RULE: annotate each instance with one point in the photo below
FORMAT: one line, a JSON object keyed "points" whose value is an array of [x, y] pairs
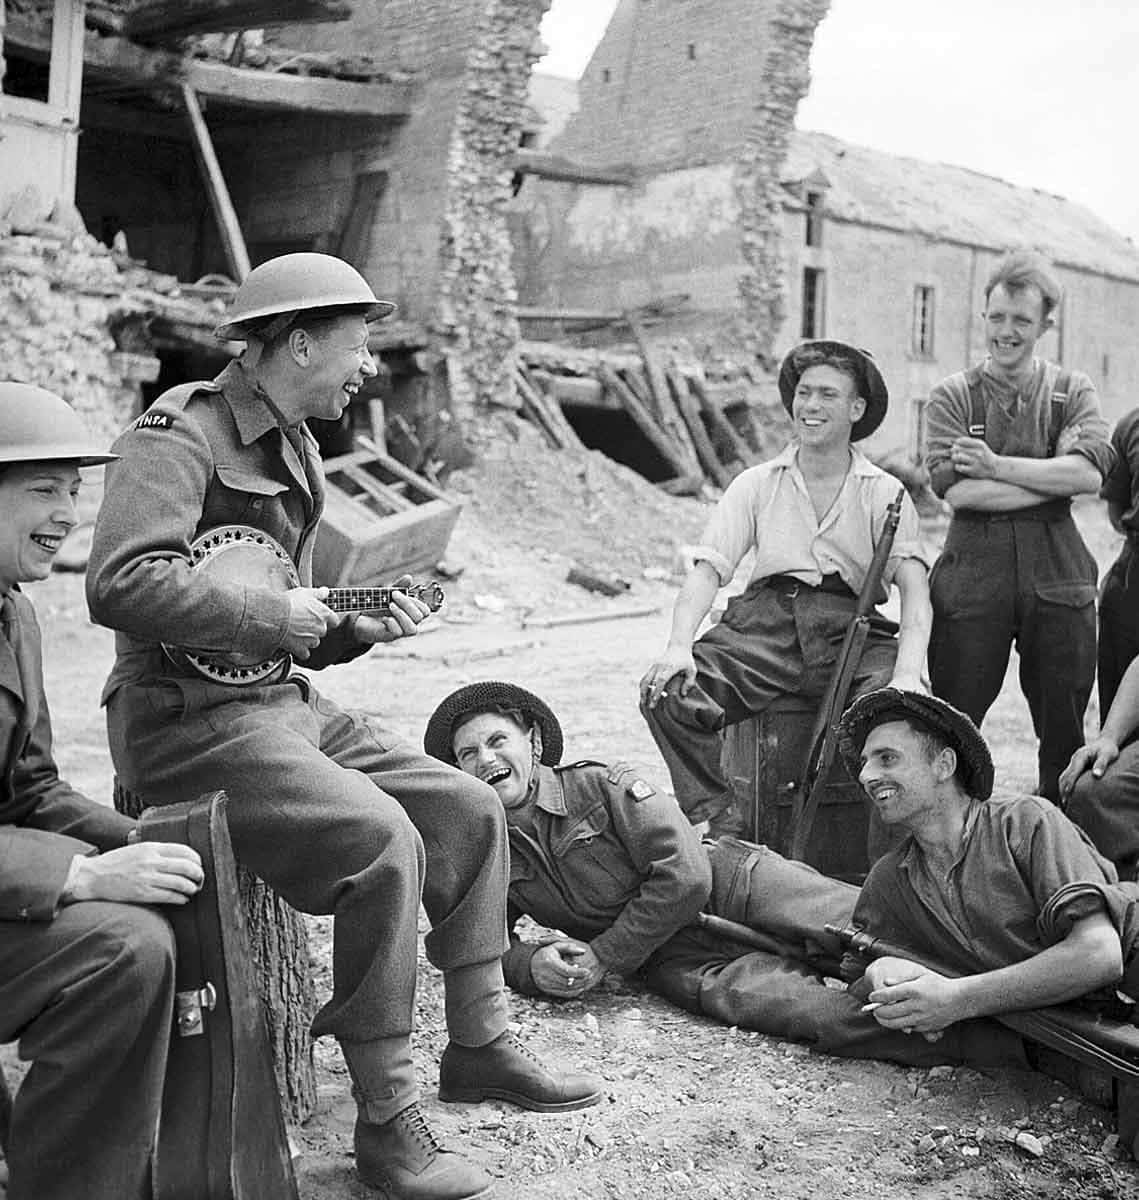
{"points": [[388, 497], [689, 408], [536, 411], [564, 170], [658, 384], [356, 232], [588, 315], [119, 59], [553, 409], [171, 19], [721, 426], [664, 445], [224, 213], [394, 467]]}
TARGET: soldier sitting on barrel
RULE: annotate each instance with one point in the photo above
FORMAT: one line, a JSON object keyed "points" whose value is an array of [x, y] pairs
{"points": [[598, 853], [86, 961], [812, 515]]}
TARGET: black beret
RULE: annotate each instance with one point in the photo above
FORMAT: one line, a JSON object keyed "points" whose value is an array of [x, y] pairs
{"points": [[871, 386], [974, 762], [491, 695]]}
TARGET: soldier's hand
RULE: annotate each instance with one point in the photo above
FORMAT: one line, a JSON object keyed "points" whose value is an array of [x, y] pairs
{"points": [[144, 873], [674, 661], [973, 458], [404, 619], [925, 1003], [1098, 755], [561, 968], [309, 620]]}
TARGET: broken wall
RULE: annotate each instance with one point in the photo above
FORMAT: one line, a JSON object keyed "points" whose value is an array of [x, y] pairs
{"points": [[60, 293], [439, 244]]}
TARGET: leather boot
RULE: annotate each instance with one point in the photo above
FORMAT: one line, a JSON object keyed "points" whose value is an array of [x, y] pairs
{"points": [[404, 1161], [506, 1070]]}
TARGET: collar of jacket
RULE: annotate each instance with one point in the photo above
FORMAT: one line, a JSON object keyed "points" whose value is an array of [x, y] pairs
{"points": [[253, 412]]}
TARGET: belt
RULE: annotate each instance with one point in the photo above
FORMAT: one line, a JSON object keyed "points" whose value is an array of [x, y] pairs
{"points": [[833, 585], [1049, 511]]}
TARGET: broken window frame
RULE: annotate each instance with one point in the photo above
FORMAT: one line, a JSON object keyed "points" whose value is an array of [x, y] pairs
{"points": [[813, 230], [924, 316], [65, 72], [813, 314]]}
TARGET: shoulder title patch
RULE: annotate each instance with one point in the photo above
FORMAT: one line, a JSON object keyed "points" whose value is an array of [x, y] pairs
{"points": [[154, 420], [640, 790]]}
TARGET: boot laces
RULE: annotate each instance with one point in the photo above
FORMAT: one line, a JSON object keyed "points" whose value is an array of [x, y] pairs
{"points": [[516, 1043], [415, 1125]]}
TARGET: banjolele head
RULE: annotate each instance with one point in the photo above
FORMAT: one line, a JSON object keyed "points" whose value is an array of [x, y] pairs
{"points": [[244, 555]]}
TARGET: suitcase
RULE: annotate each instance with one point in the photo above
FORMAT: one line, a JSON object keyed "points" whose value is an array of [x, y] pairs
{"points": [[221, 1134]]}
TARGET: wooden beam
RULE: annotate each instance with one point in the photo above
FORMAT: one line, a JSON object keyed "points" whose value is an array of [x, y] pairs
{"points": [[564, 170], [121, 60], [172, 19], [228, 225]]}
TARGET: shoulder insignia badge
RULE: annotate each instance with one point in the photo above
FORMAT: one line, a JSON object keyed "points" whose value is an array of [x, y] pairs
{"points": [[639, 789], [154, 420]]}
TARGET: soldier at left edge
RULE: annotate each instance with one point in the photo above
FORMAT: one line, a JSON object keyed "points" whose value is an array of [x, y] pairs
{"points": [[86, 958]]}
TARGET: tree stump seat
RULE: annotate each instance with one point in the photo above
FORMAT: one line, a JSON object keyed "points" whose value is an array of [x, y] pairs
{"points": [[279, 940]]}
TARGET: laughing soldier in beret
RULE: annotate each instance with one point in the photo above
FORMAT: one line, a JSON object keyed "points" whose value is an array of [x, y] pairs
{"points": [[598, 853], [812, 515], [1007, 891]]}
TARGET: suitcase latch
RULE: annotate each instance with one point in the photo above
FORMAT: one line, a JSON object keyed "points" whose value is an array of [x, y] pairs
{"points": [[188, 1008]]}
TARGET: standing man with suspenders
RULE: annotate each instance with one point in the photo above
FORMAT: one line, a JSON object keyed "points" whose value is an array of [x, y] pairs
{"points": [[1011, 441]]}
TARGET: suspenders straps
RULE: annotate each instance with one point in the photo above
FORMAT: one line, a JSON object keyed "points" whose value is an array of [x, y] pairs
{"points": [[1058, 407]]}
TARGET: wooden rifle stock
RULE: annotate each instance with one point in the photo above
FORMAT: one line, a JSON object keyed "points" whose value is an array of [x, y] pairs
{"points": [[824, 736]]}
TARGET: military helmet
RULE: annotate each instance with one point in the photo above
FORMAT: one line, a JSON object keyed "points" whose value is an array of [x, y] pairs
{"points": [[38, 426], [295, 283]]}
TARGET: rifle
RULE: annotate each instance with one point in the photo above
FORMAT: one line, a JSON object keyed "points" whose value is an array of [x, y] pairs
{"points": [[824, 736], [1069, 1030]]}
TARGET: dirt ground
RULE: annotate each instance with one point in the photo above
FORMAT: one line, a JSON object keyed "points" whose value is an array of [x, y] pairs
{"points": [[695, 1109]]}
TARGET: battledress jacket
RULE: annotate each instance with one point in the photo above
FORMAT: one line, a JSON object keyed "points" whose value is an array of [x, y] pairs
{"points": [[44, 822], [203, 455], [605, 858], [1025, 874]]}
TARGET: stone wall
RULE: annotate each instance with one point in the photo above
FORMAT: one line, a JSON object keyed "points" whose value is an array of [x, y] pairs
{"points": [[785, 77], [475, 319]]}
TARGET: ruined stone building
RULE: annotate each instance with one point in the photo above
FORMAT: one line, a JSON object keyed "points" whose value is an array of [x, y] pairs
{"points": [[775, 235], [386, 131]]}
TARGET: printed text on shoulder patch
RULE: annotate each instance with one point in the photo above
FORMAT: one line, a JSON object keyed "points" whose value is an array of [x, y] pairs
{"points": [[154, 420]]}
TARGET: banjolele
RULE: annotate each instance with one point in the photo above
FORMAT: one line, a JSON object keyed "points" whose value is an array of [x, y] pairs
{"points": [[221, 1135], [251, 557]]}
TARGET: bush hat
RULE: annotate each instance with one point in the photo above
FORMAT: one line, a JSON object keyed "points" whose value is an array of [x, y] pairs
{"points": [[871, 386], [974, 762], [491, 696]]}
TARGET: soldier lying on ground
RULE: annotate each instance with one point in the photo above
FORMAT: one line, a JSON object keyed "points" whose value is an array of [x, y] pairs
{"points": [[598, 853], [1007, 891], [86, 963]]}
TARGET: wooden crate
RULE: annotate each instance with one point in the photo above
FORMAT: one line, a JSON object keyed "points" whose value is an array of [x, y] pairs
{"points": [[763, 759], [380, 520]]}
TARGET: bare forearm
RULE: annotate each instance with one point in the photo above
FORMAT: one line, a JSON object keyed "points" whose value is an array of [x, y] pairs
{"points": [[1123, 716], [916, 619], [692, 604], [987, 495], [1085, 960], [1067, 475]]}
